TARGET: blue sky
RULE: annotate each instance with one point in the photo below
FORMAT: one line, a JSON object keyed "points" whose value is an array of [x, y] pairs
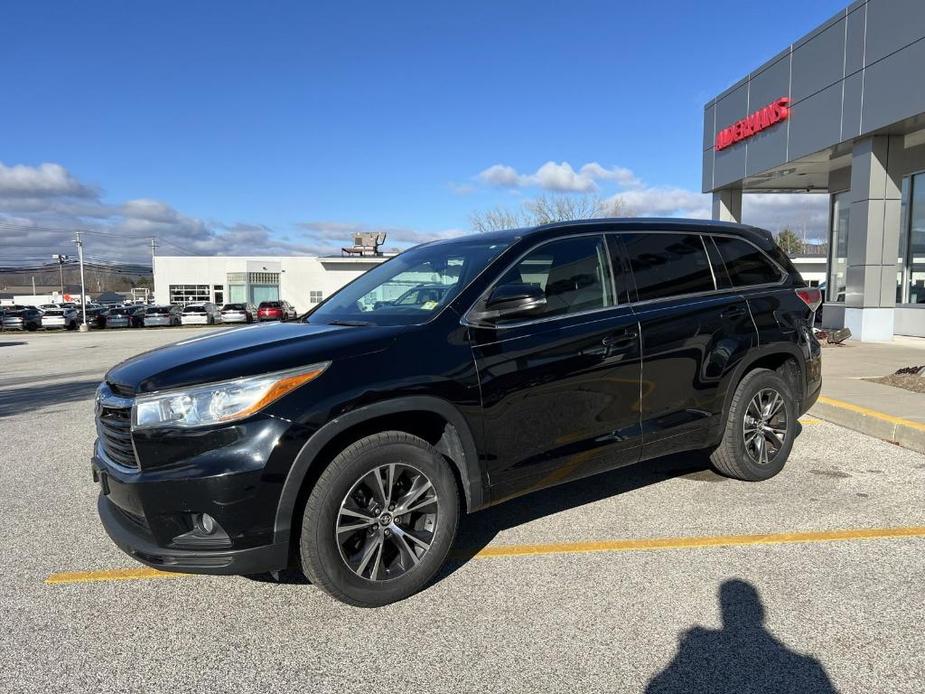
{"points": [[230, 126]]}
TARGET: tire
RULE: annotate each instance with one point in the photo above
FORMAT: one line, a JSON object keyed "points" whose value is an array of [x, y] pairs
{"points": [[735, 456], [325, 552]]}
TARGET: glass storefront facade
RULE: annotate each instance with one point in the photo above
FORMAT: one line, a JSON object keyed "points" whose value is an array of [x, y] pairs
{"points": [[253, 287], [910, 256], [838, 249], [912, 240]]}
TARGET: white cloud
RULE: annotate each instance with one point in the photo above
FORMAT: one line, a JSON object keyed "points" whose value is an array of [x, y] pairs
{"points": [[44, 180], [798, 211], [665, 201], [41, 207], [557, 177]]}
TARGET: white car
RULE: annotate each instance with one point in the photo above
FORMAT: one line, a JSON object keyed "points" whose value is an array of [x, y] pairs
{"points": [[200, 314], [59, 317]]}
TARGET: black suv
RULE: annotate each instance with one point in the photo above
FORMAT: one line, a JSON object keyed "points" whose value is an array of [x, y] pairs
{"points": [[351, 442]]}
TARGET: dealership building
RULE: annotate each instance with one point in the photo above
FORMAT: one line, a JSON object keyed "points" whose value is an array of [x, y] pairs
{"points": [[303, 281], [840, 112]]}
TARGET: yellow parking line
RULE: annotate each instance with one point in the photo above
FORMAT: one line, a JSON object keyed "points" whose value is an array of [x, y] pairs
{"points": [[809, 421], [874, 414], [568, 548], [697, 542], [142, 572]]}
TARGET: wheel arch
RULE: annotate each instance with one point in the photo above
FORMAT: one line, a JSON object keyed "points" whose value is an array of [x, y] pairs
{"points": [[438, 420], [776, 358]]}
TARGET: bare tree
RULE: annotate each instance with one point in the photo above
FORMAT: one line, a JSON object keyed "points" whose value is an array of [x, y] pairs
{"points": [[547, 209]]}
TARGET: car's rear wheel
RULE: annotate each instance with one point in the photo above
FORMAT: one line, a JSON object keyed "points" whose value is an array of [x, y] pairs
{"points": [[760, 428], [380, 521]]}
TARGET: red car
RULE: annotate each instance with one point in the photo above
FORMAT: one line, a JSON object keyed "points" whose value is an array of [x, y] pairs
{"points": [[276, 310]]}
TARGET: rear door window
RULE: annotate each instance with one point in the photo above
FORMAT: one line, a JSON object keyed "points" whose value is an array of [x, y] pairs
{"points": [[745, 263], [668, 264]]}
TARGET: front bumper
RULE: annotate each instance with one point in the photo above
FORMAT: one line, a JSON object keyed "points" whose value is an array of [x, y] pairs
{"points": [[151, 512], [132, 540]]}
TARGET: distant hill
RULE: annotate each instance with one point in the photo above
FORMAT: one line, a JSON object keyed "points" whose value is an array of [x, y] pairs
{"points": [[100, 277]]}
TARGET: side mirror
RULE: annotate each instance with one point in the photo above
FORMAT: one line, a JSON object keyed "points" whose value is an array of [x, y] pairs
{"points": [[512, 300]]}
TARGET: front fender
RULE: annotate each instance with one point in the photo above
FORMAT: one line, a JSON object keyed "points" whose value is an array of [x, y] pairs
{"points": [[468, 467]]}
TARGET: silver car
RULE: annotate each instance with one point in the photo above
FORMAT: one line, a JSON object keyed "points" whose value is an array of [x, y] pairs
{"points": [[239, 313], [162, 316]]}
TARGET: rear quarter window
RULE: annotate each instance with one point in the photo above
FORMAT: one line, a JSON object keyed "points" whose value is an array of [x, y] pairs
{"points": [[746, 264]]}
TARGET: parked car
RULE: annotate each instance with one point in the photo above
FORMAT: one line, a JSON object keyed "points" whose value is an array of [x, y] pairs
{"points": [[200, 314], [238, 313], [96, 316], [18, 317], [125, 317], [60, 317], [276, 310], [359, 436], [162, 316], [420, 295]]}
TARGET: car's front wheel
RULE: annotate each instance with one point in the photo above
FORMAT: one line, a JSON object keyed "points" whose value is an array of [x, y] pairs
{"points": [[380, 521], [760, 428]]}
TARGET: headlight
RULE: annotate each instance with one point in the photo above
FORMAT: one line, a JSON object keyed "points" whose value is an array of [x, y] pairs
{"points": [[216, 403]]}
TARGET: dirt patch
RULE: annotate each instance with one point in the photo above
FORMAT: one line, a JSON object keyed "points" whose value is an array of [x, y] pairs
{"points": [[905, 381]]}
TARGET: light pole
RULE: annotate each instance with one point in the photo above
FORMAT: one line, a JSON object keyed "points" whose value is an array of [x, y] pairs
{"points": [[83, 292]]}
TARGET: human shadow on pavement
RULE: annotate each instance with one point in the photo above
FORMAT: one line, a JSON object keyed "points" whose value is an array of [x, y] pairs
{"points": [[742, 657]]}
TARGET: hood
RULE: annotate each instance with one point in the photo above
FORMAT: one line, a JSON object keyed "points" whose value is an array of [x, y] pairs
{"points": [[239, 352]]}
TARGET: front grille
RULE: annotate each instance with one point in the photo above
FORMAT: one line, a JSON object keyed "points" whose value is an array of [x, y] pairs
{"points": [[114, 426]]}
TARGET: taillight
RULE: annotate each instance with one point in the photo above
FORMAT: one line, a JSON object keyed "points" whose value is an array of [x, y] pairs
{"points": [[811, 296]]}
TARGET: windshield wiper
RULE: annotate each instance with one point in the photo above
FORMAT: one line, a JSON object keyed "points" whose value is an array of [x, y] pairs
{"points": [[350, 323]]}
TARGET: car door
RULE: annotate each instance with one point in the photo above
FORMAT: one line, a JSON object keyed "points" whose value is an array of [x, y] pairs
{"points": [[560, 387], [694, 329]]}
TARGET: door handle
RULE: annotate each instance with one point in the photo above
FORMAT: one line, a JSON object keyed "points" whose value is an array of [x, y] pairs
{"points": [[627, 335], [734, 312]]}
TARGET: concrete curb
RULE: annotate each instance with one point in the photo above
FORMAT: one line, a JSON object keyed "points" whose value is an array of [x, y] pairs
{"points": [[903, 432]]}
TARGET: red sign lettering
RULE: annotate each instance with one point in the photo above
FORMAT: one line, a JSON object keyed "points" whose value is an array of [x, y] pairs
{"points": [[754, 123]]}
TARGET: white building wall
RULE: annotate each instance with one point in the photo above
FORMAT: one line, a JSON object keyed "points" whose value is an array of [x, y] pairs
{"points": [[298, 275]]}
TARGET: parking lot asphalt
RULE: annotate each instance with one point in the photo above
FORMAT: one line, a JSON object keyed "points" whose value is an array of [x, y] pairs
{"points": [[812, 581]]}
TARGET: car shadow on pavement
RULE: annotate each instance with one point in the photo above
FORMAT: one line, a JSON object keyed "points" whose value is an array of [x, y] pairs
{"points": [[28, 399], [476, 531], [742, 656]]}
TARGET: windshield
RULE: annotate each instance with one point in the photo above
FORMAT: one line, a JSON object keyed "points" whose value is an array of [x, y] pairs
{"points": [[411, 287]]}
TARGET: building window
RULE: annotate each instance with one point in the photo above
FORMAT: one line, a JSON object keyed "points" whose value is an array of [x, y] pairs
{"points": [[838, 245], [912, 238], [184, 294], [219, 293], [314, 297]]}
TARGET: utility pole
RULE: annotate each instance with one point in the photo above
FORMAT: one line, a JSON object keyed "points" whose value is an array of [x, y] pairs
{"points": [[33, 285], [153, 255], [60, 258], [83, 292]]}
